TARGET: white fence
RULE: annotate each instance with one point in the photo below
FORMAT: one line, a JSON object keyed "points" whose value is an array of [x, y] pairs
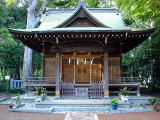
{"points": [[16, 84]]}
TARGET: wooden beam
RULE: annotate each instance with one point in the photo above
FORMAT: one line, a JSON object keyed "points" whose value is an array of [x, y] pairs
{"points": [[81, 49]]}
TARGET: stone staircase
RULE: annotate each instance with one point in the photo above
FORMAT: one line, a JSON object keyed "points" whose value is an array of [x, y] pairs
{"points": [[91, 105]]}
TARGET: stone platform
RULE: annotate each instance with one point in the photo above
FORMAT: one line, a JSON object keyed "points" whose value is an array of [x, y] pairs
{"points": [[93, 105], [55, 105]]}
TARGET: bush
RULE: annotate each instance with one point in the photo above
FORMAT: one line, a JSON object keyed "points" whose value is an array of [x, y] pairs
{"points": [[15, 90], [39, 90], [3, 86], [113, 102], [123, 91], [18, 99], [154, 101]]}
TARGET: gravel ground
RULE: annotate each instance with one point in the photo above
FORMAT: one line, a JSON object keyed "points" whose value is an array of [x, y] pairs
{"points": [[4, 95], [5, 115]]}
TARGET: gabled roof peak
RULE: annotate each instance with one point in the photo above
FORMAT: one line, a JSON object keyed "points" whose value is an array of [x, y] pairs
{"points": [[81, 3], [81, 16]]}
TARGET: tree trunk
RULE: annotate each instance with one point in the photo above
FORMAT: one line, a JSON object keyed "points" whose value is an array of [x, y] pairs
{"points": [[27, 62], [32, 21], [3, 73], [27, 58]]}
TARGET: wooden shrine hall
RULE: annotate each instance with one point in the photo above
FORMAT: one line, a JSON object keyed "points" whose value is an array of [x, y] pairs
{"points": [[82, 50]]}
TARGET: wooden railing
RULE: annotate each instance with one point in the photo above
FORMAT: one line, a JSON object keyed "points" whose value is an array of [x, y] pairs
{"points": [[126, 80], [50, 81], [131, 82], [44, 81], [16, 84], [41, 81]]}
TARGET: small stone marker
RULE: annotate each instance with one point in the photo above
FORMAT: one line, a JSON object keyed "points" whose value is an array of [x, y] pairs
{"points": [[81, 116]]}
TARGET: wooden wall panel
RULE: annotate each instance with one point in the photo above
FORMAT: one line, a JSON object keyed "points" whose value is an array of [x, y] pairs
{"points": [[114, 69], [96, 73], [50, 67], [67, 70], [68, 75], [80, 69]]}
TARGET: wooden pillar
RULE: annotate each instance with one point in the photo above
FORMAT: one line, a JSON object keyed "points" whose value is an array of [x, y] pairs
{"points": [[74, 72], [106, 75], [138, 91], [90, 73], [43, 61], [57, 74]]}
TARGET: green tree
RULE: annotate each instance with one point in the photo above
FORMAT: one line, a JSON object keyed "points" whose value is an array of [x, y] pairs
{"points": [[10, 50], [143, 10], [145, 59]]}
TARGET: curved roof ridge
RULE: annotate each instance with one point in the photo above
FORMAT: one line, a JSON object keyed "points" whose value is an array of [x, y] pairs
{"points": [[75, 15]]}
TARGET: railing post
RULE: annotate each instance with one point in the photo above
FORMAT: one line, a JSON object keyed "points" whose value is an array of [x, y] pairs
{"points": [[18, 82], [14, 84], [11, 84], [138, 91], [138, 87]]}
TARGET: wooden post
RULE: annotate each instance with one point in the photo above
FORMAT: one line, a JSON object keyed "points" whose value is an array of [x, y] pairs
{"points": [[74, 70], [90, 73], [57, 74], [106, 76], [43, 61], [138, 91], [11, 83]]}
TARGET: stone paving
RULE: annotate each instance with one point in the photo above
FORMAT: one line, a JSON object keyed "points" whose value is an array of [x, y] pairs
{"points": [[81, 116]]}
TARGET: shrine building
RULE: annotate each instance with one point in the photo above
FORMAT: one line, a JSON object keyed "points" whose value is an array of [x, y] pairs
{"points": [[82, 49]]}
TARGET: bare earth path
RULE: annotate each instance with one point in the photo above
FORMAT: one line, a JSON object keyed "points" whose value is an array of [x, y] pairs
{"points": [[131, 116], [5, 115]]}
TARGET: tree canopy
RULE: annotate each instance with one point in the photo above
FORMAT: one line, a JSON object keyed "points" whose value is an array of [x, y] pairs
{"points": [[144, 60]]}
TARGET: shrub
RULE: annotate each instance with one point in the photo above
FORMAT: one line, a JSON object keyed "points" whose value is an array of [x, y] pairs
{"points": [[124, 91], [113, 102], [39, 90], [18, 99], [154, 101], [16, 90], [3, 85]]}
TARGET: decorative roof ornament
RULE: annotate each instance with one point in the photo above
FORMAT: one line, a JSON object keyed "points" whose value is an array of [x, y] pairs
{"points": [[81, 3]]}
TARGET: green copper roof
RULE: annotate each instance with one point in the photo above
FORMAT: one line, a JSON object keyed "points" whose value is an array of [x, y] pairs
{"points": [[52, 20], [113, 20]]}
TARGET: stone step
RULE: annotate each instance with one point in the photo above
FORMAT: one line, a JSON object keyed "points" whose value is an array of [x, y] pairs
{"points": [[81, 116], [76, 103], [81, 108]]}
